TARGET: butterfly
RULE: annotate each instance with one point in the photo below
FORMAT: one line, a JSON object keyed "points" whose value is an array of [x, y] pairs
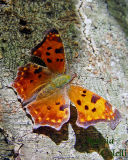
{"points": [[46, 92]]}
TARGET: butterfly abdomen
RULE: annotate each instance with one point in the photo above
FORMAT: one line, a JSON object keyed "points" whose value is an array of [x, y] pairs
{"points": [[54, 85]]}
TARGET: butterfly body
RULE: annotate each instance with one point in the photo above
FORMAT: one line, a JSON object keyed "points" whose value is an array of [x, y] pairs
{"points": [[56, 83], [46, 97], [61, 80]]}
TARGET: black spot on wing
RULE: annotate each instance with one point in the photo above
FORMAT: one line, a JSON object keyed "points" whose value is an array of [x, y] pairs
{"points": [[86, 107], [59, 60], [49, 48], [59, 50], [47, 53], [38, 70], [84, 91], [57, 103], [79, 102], [83, 95], [94, 109], [39, 76], [31, 81], [62, 107], [48, 107], [49, 60], [94, 98]]}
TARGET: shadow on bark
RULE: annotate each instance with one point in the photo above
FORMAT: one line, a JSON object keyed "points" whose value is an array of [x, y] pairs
{"points": [[87, 140]]}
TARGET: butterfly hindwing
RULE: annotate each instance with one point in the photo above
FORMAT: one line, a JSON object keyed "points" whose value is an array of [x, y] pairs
{"points": [[51, 51], [52, 111], [91, 108]]}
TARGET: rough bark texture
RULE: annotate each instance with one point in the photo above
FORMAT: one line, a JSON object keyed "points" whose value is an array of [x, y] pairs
{"points": [[119, 9], [96, 49]]}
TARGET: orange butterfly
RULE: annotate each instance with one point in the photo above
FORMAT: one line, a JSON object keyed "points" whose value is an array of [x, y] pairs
{"points": [[46, 96]]}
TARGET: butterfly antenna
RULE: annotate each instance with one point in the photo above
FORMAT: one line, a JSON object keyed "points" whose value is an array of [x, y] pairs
{"points": [[73, 77]]}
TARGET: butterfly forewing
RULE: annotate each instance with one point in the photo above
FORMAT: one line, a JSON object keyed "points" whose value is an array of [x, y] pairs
{"points": [[51, 51], [30, 79]]}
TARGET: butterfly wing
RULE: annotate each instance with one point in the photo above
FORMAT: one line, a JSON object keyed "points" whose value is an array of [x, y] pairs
{"points": [[30, 79], [51, 51], [52, 111], [91, 108]]}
